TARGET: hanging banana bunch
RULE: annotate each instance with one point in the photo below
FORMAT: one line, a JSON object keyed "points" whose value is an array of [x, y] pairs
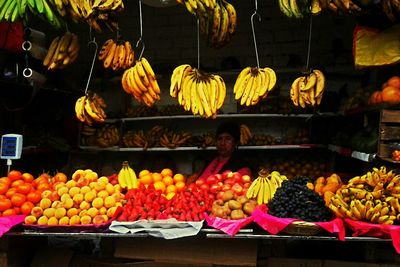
{"points": [[307, 90], [89, 109], [62, 52], [140, 82], [254, 84], [118, 56], [217, 19], [199, 92]]}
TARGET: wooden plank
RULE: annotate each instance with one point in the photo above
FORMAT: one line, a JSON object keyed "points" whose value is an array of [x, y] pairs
{"points": [[384, 150], [389, 132], [390, 116]]}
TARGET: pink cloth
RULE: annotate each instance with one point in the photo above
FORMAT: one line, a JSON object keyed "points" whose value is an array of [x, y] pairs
{"points": [[229, 227], [214, 167], [384, 231], [274, 225], [7, 222]]}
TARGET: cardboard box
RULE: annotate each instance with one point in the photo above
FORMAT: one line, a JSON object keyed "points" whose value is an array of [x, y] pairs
{"points": [[233, 252], [293, 262]]}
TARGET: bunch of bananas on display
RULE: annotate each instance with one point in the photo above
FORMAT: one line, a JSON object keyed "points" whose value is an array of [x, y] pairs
{"points": [[140, 82], [217, 19], [62, 52], [199, 92], [108, 136], [94, 12], [308, 90], [127, 178], [135, 139], [117, 56], [253, 84], [372, 197], [11, 10], [89, 109], [173, 140], [297, 8], [264, 186], [245, 134]]}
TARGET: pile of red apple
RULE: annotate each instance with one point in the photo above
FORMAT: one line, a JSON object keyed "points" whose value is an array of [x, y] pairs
{"points": [[217, 184]]}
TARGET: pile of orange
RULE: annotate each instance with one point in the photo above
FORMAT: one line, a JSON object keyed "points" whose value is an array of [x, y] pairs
{"points": [[19, 192], [165, 181], [72, 202]]}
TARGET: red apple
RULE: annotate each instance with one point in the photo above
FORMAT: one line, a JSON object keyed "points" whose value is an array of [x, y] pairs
{"points": [[238, 189], [229, 181], [218, 176], [246, 179], [214, 188], [211, 180], [220, 194], [237, 177], [226, 187], [246, 185], [227, 174]]}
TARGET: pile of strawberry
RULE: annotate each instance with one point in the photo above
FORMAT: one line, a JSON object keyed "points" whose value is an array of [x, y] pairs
{"points": [[146, 203]]}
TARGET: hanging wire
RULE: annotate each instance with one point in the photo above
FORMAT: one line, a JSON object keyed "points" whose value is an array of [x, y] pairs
{"points": [[309, 47], [91, 42], [141, 31], [198, 44], [254, 32]]}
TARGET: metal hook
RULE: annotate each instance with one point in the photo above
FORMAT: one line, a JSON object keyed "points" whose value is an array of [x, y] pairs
{"points": [[94, 59], [141, 30], [198, 44], [254, 32], [309, 47]]}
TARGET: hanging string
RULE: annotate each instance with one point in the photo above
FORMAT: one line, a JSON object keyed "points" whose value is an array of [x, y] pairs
{"points": [[309, 46], [91, 42], [198, 44], [254, 32], [141, 31]]}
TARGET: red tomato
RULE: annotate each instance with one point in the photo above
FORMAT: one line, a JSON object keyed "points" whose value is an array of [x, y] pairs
{"points": [[5, 204], [27, 207], [27, 177], [18, 199], [34, 196], [3, 188], [24, 188]]}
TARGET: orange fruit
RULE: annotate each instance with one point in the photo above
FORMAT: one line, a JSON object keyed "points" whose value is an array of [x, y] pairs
{"points": [[167, 180], [9, 212], [27, 207], [14, 175], [178, 178], [180, 186], [157, 177], [394, 81], [166, 172], [28, 178], [159, 186], [171, 188], [5, 180], [3, 188], [146, 179], [18, 199], [143, 172]]}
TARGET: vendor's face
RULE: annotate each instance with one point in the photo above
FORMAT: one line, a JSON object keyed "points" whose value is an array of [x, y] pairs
{"points": [[225, 144]]}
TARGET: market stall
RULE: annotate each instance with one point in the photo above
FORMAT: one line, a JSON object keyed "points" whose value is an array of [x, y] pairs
{"points": [[116, 108]]}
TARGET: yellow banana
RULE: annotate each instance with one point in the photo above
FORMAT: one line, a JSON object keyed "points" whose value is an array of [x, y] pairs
{"points": [[148, 68], [239, 79], [221, 91], [271, 78]]}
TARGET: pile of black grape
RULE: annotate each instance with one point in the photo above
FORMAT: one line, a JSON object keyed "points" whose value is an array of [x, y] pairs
{"points": [[294, 200]]}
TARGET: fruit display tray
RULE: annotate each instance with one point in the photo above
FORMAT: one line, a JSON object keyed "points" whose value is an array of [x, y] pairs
{"points": [[81, 228]]}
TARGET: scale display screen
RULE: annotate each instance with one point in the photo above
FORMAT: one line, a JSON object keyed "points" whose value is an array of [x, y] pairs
{"points": [[11, 146]]}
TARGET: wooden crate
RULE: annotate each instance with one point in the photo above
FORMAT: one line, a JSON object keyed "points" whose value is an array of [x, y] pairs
{"points": [[389, 132]]}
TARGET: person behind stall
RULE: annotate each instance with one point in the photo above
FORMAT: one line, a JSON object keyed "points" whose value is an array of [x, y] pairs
{"points": [[228, 157]]}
